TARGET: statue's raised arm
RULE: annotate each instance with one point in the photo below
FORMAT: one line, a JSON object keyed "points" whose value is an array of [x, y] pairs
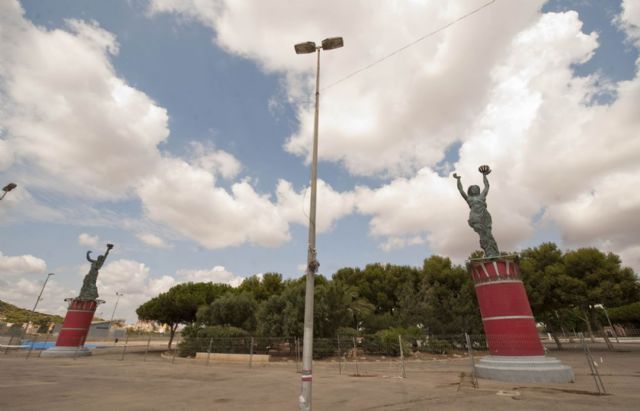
{"points": [[485, 170], [460, 188]]}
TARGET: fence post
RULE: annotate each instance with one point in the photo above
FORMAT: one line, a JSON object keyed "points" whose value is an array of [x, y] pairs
{"points": [[175, 351], [339, 356], [31, 347], [355, 355], [147, 350], [251, 353], [124, 348], [297, 354], [404, 372], [8, 345], [209, 350], [474, 378], [594, 369]]}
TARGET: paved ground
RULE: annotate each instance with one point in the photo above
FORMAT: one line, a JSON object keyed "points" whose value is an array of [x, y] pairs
{"points": [[104, 382]]}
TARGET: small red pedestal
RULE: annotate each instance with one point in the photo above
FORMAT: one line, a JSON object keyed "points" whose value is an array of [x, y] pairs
{"points": [[508, 322], [76, 323]]}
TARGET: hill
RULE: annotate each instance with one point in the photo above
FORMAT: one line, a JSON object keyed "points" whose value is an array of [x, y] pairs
{"points": [[12, 314]]}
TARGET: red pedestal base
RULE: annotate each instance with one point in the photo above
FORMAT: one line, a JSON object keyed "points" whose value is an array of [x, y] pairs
{"points": [[76, 323], [508, 322]]}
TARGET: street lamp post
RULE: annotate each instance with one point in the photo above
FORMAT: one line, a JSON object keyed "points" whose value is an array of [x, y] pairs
{"points": [[7, 188], [312, 262], [114, 308], [33, 310]]}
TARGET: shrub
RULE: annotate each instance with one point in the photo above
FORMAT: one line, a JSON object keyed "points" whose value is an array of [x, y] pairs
{"points": [[223, 339]]}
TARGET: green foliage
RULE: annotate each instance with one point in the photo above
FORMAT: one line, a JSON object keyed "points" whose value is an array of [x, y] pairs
{"points": [[626, 314], [386, 342], [380, 301], [235, 310], [564, 287], [222, 339], [180, 304]]}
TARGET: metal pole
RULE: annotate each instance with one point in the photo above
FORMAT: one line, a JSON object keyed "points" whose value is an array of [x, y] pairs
{"points": [[31, 347], [606, 313], [147, 350], [114, 310], [251, 353], [339, 356], [404, 372], [355, 356], [474, 379], [8, 345], [124, 348], [312, 263], [209, 350]]}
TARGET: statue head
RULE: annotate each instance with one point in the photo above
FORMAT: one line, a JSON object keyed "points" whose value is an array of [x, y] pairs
{"points": [[473, 190]]}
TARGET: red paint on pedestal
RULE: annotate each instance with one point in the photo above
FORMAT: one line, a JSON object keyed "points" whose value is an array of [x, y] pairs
{"points": [[506, 314], [76, 323]]}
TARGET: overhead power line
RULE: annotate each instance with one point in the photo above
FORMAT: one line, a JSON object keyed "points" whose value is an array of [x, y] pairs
{"points": [[406, 46]]}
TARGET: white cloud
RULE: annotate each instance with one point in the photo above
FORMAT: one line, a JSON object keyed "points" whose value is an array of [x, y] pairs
{"points": [[153, 240], [21, 264], [216, 161], [185, 198], [549, 148], [88, 240], [132, 279], [396, 117], [24, 291], [217, 274], [6, 155], [630, 19], [294, 206], [80, 128]]}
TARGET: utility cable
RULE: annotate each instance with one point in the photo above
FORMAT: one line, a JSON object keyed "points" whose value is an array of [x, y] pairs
{"points": [[406, 46]]}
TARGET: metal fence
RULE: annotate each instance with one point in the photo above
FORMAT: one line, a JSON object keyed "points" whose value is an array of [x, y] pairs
{"points": [[385, 355]]}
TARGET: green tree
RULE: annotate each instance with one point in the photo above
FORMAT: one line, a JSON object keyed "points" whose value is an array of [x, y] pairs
{"points": [[603, 279], [447, 298], [180, 304], [549, 287], [235, 310]]}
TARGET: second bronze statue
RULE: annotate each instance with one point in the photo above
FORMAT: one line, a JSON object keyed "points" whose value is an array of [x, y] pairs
{"points": [[89, 289]]}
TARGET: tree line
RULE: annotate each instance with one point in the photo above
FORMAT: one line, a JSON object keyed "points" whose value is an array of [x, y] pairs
{"points": [[565, 289]]}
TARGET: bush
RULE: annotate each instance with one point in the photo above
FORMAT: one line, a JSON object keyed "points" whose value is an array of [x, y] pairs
{"points": [[223, 339], [324, 347], [626, 314], [385, 342]]}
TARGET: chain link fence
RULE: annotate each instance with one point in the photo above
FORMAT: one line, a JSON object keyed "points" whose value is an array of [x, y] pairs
{"points": [[387, 354]]}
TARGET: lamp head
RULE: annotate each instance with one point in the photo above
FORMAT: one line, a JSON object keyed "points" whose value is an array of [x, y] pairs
{"points": [[332, 43], [305, 48], [9, 187]]}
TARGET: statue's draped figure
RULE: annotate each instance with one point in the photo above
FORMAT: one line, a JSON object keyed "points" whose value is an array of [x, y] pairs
{"points": [[479, 217], [89, 290]]}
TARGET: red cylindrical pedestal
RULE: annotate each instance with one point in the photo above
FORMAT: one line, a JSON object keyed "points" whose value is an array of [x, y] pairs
{"points": [[76, 323], [508, 322]]}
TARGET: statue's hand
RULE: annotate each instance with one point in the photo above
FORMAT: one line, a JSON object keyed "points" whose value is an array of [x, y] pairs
{"points": [[456, 176], [484, 169], [109, 246]]}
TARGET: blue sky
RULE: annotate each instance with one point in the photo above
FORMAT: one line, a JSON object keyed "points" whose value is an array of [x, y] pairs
{"points": [[180, 132]]}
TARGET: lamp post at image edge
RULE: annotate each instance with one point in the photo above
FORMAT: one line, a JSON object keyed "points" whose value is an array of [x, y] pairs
{"points": [[312, 263]]}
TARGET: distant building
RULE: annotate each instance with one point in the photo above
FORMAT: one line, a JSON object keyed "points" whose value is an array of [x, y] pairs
{"points": [[150, 327]]}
